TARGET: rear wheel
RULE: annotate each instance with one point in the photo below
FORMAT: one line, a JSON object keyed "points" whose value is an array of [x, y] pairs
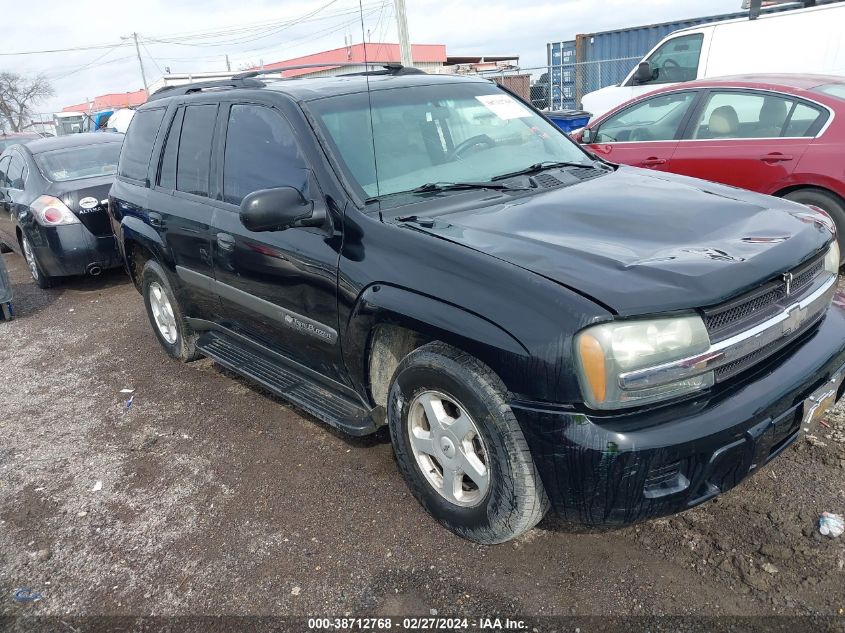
{"points": [[832, 204], [35, 269], [166, 316], [460, 448]]}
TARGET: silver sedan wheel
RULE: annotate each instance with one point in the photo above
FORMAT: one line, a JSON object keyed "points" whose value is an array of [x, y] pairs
{"points": [[162, 311], [448, 448], [30, 259]]}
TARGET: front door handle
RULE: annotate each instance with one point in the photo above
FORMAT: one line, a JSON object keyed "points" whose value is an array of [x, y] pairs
{"points": [[225, 242], [155, 220], [776, 157], [653, 161]]}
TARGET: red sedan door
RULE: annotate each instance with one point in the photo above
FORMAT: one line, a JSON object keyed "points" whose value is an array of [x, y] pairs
{"points": [[645, 134], [745, 138]]}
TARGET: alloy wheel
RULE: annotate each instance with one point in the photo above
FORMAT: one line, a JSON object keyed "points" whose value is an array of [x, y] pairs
{"points": [[448, 448], [163, 315], [30, 259]]}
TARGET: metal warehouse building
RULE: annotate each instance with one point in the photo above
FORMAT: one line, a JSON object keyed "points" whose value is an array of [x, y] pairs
{"points": [[595, 60]]}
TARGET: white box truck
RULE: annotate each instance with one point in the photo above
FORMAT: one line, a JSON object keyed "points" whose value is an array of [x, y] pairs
{"points": [[808, 40]]}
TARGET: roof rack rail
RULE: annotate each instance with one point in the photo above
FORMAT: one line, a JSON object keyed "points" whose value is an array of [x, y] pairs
{"points": [[390, 68], [184, 89], [396, 70]]}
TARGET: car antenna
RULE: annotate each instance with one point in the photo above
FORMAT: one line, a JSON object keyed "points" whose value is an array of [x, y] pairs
{"points": [[370, 101]]}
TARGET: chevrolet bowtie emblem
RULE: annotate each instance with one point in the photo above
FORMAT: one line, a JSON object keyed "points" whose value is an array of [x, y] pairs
{"points": [[794, 320], [788, 279]]}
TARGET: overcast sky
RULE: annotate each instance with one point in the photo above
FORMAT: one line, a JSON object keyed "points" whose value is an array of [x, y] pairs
{"points": [[202, 32]]}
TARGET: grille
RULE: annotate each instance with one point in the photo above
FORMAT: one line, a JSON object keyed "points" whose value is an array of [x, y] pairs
{"points": [[741, 364], [757, 305]]}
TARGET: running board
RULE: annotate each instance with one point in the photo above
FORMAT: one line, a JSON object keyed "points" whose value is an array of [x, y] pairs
{"points": [[325, 404]]}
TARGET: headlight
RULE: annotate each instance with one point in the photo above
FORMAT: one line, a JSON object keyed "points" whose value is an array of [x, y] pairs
{"points": [[831, 260], [607, 351]]}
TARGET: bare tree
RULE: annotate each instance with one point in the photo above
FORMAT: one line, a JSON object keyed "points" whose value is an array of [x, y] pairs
{"points": [[18, 95]]}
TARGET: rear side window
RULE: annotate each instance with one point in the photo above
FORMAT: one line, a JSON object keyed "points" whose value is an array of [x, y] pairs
{"points": [[261, 153], [138, 144], [16, 175], [753, 115], [194, 156], [167, 174], [4, 167]]}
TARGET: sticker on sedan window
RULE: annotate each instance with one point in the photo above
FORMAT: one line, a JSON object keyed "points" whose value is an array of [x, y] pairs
{"points": [[504, 106]]}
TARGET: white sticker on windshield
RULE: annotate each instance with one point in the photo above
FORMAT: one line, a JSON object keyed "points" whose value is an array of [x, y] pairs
{"points": [[504, 106]]}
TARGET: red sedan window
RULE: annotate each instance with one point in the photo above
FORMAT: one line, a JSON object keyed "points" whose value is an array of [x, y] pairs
{"points": [[745, 115]]}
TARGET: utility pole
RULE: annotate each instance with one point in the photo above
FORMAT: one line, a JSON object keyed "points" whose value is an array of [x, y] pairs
{"points": [[140, 62], [404, 38], [228, 65]]}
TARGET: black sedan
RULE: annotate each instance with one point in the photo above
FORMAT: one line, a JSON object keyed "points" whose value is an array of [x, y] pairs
{"points": [[53, 196]]}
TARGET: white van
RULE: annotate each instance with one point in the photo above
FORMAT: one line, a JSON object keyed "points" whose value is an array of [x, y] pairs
{"points": [[808, 40]]}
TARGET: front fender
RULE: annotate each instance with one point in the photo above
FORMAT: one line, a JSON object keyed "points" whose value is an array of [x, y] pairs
{"points": [[434, 319]]}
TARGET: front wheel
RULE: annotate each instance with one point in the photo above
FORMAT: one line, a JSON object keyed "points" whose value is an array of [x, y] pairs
{"points": [[460, 448], [828, 203], [166, 316]]}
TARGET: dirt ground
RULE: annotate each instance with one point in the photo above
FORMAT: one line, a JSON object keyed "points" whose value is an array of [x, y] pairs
{"points": [[209, 496]]}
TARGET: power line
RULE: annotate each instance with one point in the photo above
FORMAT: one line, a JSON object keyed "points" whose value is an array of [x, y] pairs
{"points": [[263, 28]]}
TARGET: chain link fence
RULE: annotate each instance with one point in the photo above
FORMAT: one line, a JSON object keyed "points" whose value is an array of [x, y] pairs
{"points": [[561, 87]]}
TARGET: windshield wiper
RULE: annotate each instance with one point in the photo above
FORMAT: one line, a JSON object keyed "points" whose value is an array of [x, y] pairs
{"points": [[456, 186], [538, 167]]}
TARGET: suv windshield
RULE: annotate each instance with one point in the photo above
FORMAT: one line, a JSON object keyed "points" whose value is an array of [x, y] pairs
{"points": [[59, 165], [459, 132]]}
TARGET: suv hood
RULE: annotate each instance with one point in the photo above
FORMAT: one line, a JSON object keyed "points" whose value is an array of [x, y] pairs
{"points": [[641, 242]]}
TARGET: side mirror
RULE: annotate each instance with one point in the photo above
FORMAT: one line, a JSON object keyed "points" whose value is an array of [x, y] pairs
{"points": [[587, 136], [278, 209], [643, 74]]}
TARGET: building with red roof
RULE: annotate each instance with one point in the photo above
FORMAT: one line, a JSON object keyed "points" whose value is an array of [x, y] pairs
{"points": [[426, 57], [112, 101]]}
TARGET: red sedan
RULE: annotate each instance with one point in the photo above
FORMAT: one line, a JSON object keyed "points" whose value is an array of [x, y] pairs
{"points": [[782, 135]]}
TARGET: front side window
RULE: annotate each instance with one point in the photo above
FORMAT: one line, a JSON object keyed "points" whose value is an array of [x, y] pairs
{"points": [[261, 153], [676, 60], [138, 144], [59, 165], [193, 161], [738, 115], [655, 119], [443, 133]]}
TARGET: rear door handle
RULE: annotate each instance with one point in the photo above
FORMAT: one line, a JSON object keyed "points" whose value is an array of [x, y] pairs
{"points": [[225, 242], [776, 157], [155, 220], [653, 161]]}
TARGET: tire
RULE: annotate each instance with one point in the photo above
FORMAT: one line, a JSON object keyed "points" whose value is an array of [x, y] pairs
{"points": [[36, 270], [832, 204], [166, 315], [512, 500]]}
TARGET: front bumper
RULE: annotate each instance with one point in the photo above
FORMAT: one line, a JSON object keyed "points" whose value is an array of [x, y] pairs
{"points": [[620, 469], [71, 249]]}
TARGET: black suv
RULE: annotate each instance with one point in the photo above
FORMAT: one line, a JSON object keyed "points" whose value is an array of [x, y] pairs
{"points": [[536, 327]]}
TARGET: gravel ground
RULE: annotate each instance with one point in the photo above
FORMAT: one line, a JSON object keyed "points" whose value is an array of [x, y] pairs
{"points": [[210, 496]]}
